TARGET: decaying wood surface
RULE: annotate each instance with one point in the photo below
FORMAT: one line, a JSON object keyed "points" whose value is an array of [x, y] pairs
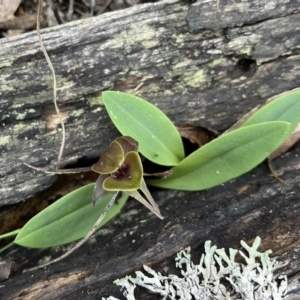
{"points": [[199, 65]]}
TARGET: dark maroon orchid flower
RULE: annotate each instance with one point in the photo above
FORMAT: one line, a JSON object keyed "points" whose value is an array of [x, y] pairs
{"points": [[121, 169]]}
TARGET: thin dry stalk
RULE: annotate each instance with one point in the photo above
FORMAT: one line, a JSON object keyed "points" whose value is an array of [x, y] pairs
{"points": [[54, 84]]}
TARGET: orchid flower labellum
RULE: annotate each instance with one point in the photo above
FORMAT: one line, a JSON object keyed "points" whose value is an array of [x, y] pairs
{"points": [[121, 169]]}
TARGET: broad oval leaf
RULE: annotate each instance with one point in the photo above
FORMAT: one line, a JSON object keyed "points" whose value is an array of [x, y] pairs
{"points": [[226, 157], [285, 107], [68, 219], [158, 139]]}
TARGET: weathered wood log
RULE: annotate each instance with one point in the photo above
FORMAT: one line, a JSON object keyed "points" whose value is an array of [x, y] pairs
{"points": [[207, 76], [196, 71]]}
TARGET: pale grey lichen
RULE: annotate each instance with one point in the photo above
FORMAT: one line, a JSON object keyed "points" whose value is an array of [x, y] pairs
{"points": [[217, 277]]}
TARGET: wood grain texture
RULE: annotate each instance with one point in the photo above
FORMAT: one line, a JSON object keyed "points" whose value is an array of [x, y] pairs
{"points": [[209, 76]]}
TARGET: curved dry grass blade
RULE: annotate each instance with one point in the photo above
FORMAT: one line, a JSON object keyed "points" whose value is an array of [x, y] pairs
{"points": [[39, 12], [274, 172]]}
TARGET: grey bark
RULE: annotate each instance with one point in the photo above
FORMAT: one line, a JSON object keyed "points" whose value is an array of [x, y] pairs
{"points": [[197, 64]]}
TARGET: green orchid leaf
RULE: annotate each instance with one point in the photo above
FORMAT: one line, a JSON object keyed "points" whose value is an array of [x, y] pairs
{"points": [[159, 140], [68, 219], [127, 178], [110, 160], [285, 107], [226, 157]]}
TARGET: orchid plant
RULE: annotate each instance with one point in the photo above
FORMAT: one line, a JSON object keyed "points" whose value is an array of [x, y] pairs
{"points": [[147, 130]]}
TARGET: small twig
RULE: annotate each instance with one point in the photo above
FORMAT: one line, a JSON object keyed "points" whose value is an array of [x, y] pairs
{"points": [[82, 241], [59, 171], [54, 84], [70, 10], [164, 174]]}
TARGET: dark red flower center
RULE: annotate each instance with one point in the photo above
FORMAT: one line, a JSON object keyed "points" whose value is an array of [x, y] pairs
{"points": [[122, 173]]}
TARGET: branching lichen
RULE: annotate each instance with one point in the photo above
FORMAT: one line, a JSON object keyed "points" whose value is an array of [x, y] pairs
{"points": [[217, 277]]}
